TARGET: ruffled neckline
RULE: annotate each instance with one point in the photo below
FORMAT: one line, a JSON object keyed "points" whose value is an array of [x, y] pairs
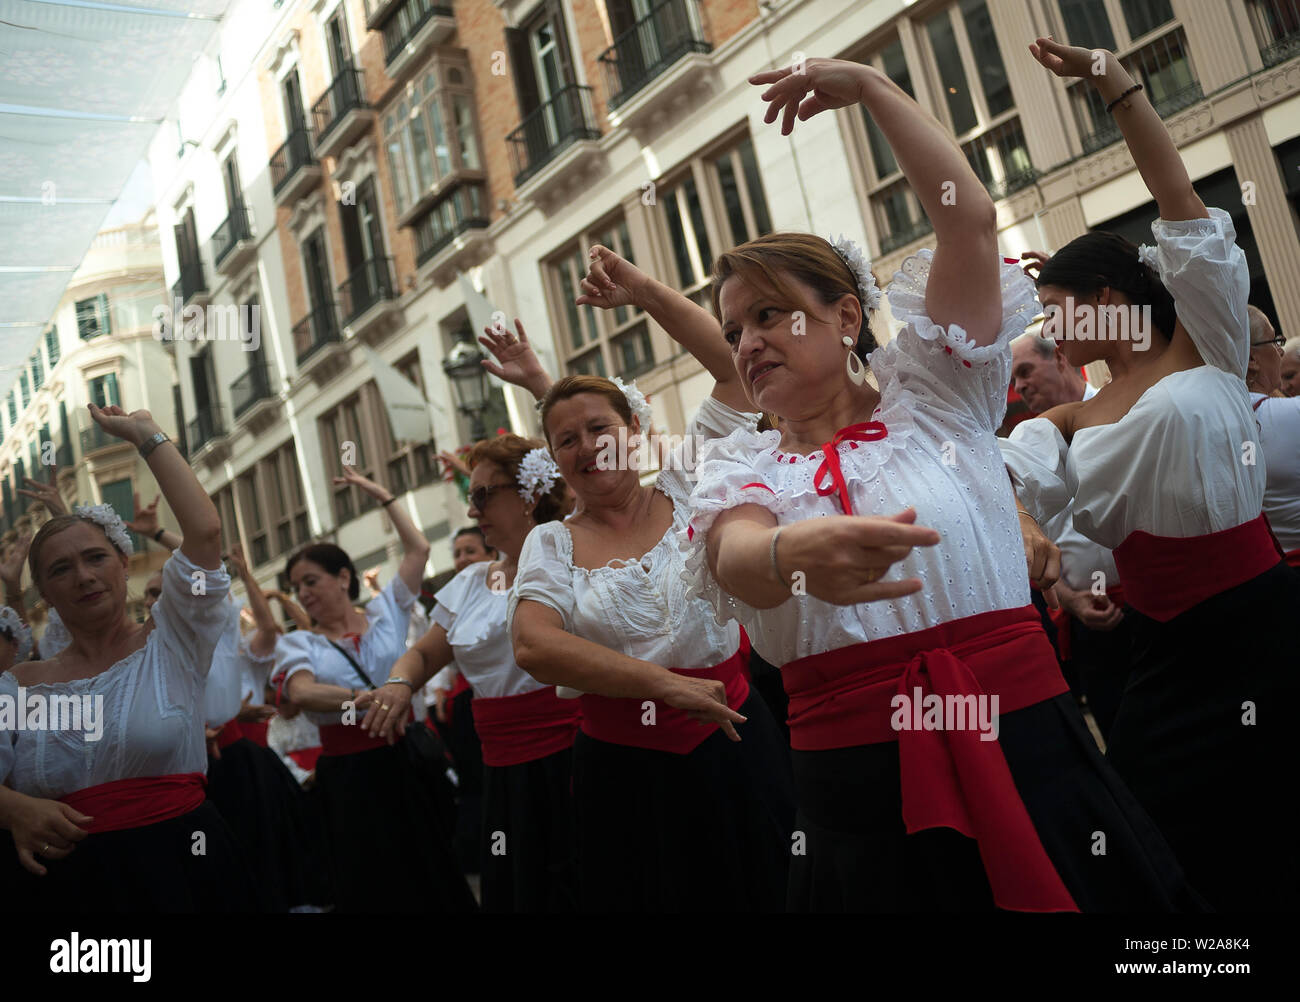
{"points": [[615, 564], [89, 682]]}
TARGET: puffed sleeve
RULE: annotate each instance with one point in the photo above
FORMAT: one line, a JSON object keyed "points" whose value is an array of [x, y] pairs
{"points": [[544, 575], [1199, 262], [713, 419], [727, 477], [293, 653], [192, 613], [1035, 457], [942, 367], [9, 733], [448, 600]]}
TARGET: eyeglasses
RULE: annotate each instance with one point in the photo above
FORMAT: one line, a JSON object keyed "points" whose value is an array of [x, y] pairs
{"points": [[1277, 339], [478, 497]]}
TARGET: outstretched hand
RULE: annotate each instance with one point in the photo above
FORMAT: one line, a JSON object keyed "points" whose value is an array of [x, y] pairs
{"points": [[516, 362], [47, 494], [1033, 263], [146, 518], [11, 567], [1068, 60], [611, 280], [803, 90], [134, 427], [351, 476]]}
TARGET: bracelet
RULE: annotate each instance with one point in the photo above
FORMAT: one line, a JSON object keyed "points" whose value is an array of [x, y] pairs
{"points": [[152, 442], [385, 504], [771, 552], [1031, 517], [157, 536], [393, 679], [1132, 90], [538, 404]]}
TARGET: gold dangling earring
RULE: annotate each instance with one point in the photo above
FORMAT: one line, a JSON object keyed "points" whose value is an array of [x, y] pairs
{"points": [[856, 370]]}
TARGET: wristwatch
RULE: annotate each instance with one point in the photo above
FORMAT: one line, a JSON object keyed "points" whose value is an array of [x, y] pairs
{"points": [[152, 442]]}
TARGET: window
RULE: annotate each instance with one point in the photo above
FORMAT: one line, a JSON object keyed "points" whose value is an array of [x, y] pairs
{"points": [[103, 390], [369, 275], [431, 133], [717, 194], [345, 435], [25, 386], [1163, 64], [410, 464], [221, 77], [38, 371], [119, 494], [92, 317], [287, 503], [1276, 24], [250, 504], [52, 346], [13, 409], [224, 499], [337, 42], [598, 342]]}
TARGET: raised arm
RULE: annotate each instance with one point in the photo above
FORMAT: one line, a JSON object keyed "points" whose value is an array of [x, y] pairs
{"points": [[11, 574], [415, 548], [964, 286], [263, 641], [199, 521], [613, 281], [1148, 140], [291, 609], [146, 524]]}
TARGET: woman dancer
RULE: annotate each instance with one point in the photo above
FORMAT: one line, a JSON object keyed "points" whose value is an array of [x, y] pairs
{"points": [[526, 853], [382, 799], [1278, 417], [113, 823], [1164, 468], [671, 815], [940, 762]]}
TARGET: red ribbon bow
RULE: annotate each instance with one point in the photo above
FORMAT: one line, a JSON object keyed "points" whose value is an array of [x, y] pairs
{"points": [[865, 431]]}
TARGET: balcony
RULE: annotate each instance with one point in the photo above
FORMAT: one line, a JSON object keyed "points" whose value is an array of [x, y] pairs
{"points": [[368, 299], [232, 243], [294, 168], [904, 236], [191, 289], [553, 150], [411, 29], [657, 62], [318, 344], [377, 11], [1277, 29], [452, 236], [95, 439], [1168, 105], [251, 395], [342, 114], [205, 432]]}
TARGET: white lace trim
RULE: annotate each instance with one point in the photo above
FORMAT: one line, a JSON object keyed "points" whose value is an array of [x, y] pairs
{"points": [[21, 632], [907, 302]]}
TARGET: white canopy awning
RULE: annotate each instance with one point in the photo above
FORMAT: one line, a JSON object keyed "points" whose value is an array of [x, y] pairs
{"points": [[83, 88]]}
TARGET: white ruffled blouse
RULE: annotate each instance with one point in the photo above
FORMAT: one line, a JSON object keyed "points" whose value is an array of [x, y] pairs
{"points": [[639, 607], [382, 644], [1179, 462], [149, 704], [1279, 432], [942, 398], [474, 617]]}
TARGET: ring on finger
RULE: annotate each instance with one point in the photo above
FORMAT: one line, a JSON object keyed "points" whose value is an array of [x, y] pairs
{"points": [[45, 848]]}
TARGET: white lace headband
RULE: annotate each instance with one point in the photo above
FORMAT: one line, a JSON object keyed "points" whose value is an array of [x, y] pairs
{"points": [[107, 519], [537, 474], [636, 402], [851, 254], [19, 632]]}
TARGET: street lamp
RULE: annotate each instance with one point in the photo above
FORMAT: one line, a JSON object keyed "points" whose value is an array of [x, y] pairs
{"points": [[469, 382]]}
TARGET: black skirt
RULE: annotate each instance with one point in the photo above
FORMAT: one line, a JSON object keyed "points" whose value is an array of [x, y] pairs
{"points": [[387, 825], [708, 831], [1203, 739], [529, 863], [856, 855], [462, 742], [265, 808], [1100, 662], [184, 865]]}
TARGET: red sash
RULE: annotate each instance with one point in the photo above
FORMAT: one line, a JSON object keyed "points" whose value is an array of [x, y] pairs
{"points": [[950, 778], [1293, 558], [524, 728], [348, 739], [1164, 576], [231, 731], [306, 757], [134, 803], [256, 733], [619, 721]]}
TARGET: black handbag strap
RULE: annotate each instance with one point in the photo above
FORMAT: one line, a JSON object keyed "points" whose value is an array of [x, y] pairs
{"points": [[355, 667]]}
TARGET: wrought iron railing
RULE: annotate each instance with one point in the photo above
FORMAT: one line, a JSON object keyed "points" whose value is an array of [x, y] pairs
{"points": [[368, 285], [248, 389], [291, 157], [317, 329], [346, 93], [548, 129], [234, 228], [405, 23], [206, 426], [669, 31]]}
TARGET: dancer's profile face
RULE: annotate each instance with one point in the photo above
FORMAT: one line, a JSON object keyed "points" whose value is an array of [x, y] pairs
{"points": [[788, 358], [504, 511], [468, 549], [153, 591], [322, 595], [83, 575], [1289, 374], [584, 432]]}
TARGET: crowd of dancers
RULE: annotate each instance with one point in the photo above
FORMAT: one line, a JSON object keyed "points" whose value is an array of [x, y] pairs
{"points": [[854, 528]]}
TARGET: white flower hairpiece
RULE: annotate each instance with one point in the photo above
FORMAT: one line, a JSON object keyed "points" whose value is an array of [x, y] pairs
{"points": [[20, 631], [860, 265], [637, 402], [110, 521], [1148, 255], [537, 474]]}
